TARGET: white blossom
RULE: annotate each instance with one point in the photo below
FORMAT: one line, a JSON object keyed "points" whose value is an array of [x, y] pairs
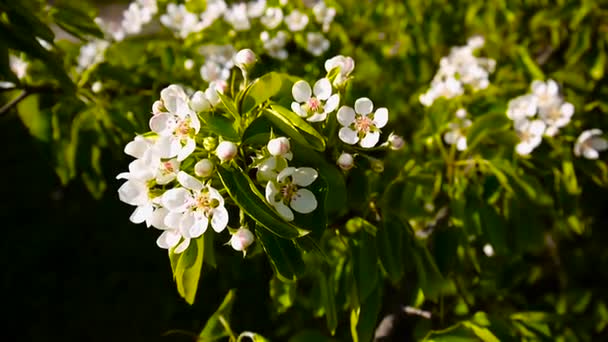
{"points": [[395, 142], [241, 239], [346, 161], [214, 10], [256, 8], [324, 15], [18, 66], [91, 54], [547, 93], [556, 116], [237, 17], [226, 151], [272, 18], [456, 131], [361, 124], [180, 20], [275, 46], [346, 65], [316, 43], [279, 146], [245, 59], [204, 168], [287, 191], [296, 21], [590, 143], [531, 135], [522, 107], [314, 108]]}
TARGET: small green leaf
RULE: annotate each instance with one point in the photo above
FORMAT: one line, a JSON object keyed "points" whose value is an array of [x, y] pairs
{"points": [[37, 122], [389, 242], [187, 267], [328, 296], [282, 293], [364, 319], [244, 192], [295, 127], [75, 21], [230, 106], [462, 332], [215, 328], [264, 88], [533, 69], [221, 126], [486, 126], [365, 265], [284, 255]]}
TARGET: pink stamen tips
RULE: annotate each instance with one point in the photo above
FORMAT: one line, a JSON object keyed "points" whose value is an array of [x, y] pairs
{"points": [[363, 124], [314, 104]]}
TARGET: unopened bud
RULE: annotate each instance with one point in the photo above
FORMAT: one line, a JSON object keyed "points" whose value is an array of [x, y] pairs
{"points": [[97, 87], [204, 168], [346, 161], [226, 151], [209, 143], [188, 64], [242, 239], [396, 142], [245, 59], [278, 146], [199, 102]]}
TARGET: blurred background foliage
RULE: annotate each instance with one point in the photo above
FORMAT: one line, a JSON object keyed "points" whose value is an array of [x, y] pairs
{"points": [[76, 269]]}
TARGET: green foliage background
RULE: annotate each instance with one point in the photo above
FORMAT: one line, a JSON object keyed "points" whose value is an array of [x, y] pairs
{"points": [[76, 269]]}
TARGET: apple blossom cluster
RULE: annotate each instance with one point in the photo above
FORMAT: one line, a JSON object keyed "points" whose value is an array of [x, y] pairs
{"points": [[459, 69], [277, 24], [456, 134], [543, 111], [138, 14]]}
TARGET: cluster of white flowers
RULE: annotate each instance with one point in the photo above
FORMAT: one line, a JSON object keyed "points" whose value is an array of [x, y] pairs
{"points": [[138, 14], [168, 197], [459, 69], [541, 112], [219, 60], [456, 130], [285, 185], [244, 16], [92, 54]]}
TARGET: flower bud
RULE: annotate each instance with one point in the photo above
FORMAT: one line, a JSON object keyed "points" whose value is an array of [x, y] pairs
{"points": [[97, 87], [242, 239], [226, 151], [278, 146], [245, 59], [346, 161], [188, 64], [396, 142], [209, 143], [199, 102], [204, 168]]}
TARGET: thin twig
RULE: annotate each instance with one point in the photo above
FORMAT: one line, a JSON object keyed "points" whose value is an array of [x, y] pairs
{"points": [[14, 102]]}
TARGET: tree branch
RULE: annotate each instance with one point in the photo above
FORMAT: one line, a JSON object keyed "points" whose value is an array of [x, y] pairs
{"points": [[14, 101]]}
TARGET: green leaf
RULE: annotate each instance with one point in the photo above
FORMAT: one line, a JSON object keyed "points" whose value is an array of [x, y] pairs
{"points": [[284, 255], [38, 123], [264, 88], [462, 332], [364, 319], [365, 265], [251, 336], [486, 126], [75, 21], [310, 336], [389, 242], [221, 126], [295, 127], [244, 192], [215, 328], [230, 106], [533, 69], [187, 267], [328, 295]]}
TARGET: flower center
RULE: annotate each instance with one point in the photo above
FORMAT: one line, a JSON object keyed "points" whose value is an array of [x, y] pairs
{"points": [[204, 203], [183, 128], [289, 191], [314, 105], [363, 124], [167, 168]]}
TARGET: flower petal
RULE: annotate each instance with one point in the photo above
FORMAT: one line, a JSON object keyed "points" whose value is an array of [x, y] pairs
{"points": [[283, 210], [322, 89], [182, 246], [199, 227], [364, 106], [186, 150], [370, 139], [461, 145], [590, 153], [346, 116], [317, 117], [304, 201], [286, 172], [348, 136], [189, 182], [297, 108], [220, 218], [381, 117], [176, 200], [141, 213], [168, 239], [172, 220], [332, 103], [163, 123], [304, 176], [301, 91], [271, 191]]}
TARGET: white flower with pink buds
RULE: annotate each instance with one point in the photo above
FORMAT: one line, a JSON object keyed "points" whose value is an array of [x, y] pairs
{"points": [[590, 143], [361, 125], [279, 146], [241, 239], [314, 108], [204, 168], [245, 59], [226, 151], [346, 161], [193, 207], [287, 191], [177, 127]]}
